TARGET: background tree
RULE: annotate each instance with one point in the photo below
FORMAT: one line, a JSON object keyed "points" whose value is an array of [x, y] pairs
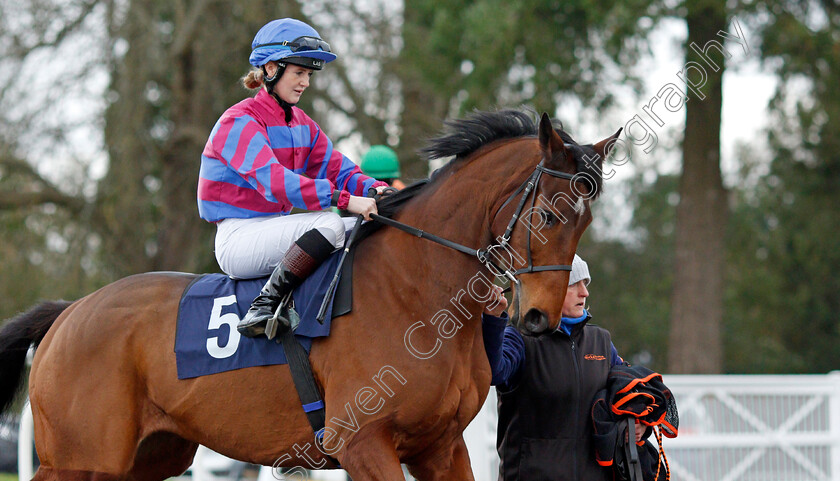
{"points": [[171, 76], [461, 55], [633, 276], [784, 289], [695, 344], [169, 86], [45, 183]]}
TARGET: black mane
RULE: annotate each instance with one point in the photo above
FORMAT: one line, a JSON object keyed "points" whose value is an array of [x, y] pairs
{"points": [[461, 137]]}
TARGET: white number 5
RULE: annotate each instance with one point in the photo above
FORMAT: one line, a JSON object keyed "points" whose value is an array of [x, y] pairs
{"points": [[217, 320]]}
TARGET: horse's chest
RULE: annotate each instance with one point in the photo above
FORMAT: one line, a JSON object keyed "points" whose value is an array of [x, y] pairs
{"points": [[459, 405]]}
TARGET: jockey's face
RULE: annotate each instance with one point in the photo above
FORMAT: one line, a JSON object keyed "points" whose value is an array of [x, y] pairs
{"points": [[294, 81]]}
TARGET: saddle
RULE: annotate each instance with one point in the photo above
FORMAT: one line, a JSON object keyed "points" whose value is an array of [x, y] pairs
{"points": [[211, 306]]}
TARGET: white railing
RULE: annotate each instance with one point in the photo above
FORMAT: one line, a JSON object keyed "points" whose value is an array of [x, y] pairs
{"points": [[732, 428], [744, 428]]}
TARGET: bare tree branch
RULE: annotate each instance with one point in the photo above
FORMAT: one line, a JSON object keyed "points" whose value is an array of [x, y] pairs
{"points": [[16, 200], [365, 123], [48, 193], [188, 23], [23, 51]]}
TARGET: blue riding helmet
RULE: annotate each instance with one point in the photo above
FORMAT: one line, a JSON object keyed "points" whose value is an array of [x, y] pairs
{"points": [[290, 41]]}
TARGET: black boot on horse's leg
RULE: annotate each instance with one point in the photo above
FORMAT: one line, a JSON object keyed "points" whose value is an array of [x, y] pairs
{"points": [[305, 255]]}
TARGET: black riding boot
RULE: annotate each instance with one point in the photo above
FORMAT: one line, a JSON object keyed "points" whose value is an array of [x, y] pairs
{"points": [[305, 255]]}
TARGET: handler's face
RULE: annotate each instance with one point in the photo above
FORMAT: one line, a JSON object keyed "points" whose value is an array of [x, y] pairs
{"points": [[575, 300]]}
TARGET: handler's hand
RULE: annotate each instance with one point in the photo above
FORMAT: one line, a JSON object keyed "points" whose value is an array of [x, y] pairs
{"points": [[640, 430], [497, 303], [362, 205]]}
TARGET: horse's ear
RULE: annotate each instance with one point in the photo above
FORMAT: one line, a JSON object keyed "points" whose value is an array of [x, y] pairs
{"points": [[550, 141], [604, 147]]}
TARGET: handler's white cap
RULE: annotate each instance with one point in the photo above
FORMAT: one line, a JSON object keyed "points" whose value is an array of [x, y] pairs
{"points": [[580, 271]]}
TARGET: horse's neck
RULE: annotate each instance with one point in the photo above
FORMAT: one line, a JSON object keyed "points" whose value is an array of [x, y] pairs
{"points": [[459, 208], [430, 295]]}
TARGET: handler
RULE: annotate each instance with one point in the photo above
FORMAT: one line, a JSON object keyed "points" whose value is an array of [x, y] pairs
{"points": [[546, 385]]}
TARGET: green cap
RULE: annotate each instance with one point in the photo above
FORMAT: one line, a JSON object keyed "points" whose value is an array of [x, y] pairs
{"points": [[381, 162]]}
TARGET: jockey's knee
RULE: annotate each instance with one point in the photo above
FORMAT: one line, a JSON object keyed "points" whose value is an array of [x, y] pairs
{"points": [[331, 226]]}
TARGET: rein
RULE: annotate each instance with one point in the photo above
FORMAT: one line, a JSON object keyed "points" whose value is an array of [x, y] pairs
{"points": [[483, 255], [425, 235]]}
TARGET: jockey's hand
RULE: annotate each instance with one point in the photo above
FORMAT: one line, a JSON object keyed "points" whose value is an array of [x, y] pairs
{"points": [[497, 303], [362, 205], [382, 191]]}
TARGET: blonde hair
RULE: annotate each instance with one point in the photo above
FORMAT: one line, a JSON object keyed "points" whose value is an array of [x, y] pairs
{"points": [[253, 79]]}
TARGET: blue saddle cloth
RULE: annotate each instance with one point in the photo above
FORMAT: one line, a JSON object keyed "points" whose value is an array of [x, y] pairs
{"points": [[206, 340]]}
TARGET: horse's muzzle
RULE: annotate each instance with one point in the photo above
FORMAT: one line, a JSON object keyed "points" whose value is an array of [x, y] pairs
{"points": [[535, 321]]}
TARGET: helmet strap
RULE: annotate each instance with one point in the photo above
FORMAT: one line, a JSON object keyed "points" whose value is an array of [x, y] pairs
{"points": [[270, 82]]}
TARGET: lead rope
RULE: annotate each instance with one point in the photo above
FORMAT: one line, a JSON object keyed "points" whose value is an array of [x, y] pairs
{"points": [[662, 458]]}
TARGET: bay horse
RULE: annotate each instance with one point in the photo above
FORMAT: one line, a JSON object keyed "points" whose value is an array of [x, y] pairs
{"points": [[402, 375]]}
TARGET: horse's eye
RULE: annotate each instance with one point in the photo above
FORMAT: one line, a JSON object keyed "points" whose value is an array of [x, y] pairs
{"points": [[550, 219]]}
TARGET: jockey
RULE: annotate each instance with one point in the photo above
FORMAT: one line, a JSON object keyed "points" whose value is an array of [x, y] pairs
{"points": [[264, 157], [382, 163]]}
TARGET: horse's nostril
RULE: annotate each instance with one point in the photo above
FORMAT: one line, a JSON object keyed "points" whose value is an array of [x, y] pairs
{"points": [[535, 321]]}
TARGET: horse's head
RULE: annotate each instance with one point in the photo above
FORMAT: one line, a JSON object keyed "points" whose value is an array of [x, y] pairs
{"points": [[552, 215], [532, 184]]}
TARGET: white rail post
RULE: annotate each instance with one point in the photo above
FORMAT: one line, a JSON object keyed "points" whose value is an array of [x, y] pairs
{"points": [[200, 471], [834, 423], [25, 439]]}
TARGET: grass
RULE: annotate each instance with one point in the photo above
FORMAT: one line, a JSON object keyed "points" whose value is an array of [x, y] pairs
{"points": [[8, 477]]}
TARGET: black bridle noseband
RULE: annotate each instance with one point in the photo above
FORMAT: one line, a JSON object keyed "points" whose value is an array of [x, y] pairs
{"points": [[483, 255]]}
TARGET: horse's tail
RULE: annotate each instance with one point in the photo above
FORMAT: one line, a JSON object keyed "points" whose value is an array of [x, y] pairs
{"points": [[23, 330]]}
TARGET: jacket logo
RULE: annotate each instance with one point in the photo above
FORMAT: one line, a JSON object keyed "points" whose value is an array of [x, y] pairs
{"points": [[594, 357]]}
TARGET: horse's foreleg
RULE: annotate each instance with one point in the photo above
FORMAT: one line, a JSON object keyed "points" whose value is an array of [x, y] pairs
{"points": [[371, 457], [452, 463]]}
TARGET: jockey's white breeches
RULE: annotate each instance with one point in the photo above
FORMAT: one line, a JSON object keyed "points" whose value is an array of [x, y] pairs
{"points": [[249, 248]]}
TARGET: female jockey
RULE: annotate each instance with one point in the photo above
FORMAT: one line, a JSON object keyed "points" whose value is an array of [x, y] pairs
{"points": [[266, 156]]}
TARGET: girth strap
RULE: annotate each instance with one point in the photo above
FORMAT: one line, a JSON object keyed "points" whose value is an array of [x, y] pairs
{"points": [[310, 397]]}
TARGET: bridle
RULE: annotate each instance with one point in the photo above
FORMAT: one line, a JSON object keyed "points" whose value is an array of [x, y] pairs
{"points": [[504, 240], [484, 255]]}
